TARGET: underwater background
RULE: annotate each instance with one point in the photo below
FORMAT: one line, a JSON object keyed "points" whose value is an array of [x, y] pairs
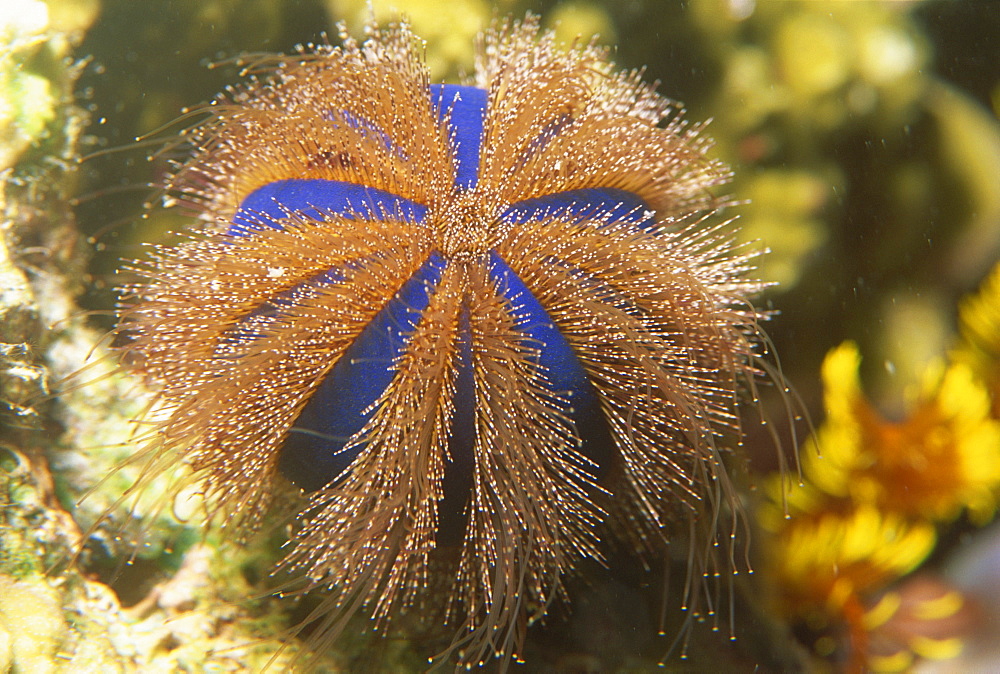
{"points": [[864, 137]]}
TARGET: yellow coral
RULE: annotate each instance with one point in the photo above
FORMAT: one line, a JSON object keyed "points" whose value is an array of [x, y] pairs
{"points": [[866, 515], [923, 617], [979, 318], [828, 560], [943, 457]]}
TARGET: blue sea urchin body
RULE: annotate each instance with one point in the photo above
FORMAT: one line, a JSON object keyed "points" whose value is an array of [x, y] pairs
{"points": [[488, 318]]}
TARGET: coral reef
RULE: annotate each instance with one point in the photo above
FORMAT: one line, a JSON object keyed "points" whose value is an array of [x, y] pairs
{"points": [[865, 136]]}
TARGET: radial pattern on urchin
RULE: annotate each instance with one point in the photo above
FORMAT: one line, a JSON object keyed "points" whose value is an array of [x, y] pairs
{"points": [[484, 318]]}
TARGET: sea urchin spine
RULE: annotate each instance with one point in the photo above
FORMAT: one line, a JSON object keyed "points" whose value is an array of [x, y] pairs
{"points": [[474, 323]]}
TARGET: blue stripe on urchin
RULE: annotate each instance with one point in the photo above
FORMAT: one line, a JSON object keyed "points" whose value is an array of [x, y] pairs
{"points": [[465, 107], [597, 203], [559, 363], [314, 453], [318, 449], [268, 205], [459, 474]]}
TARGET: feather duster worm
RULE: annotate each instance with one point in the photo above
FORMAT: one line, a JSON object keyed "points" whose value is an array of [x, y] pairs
{"points": [[474, 323]]}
